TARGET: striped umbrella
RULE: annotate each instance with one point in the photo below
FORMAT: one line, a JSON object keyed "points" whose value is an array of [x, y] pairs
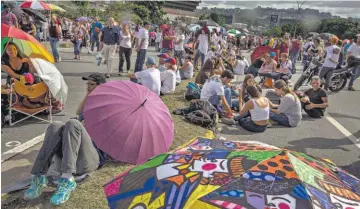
{"points": [[26, 43], [38, 5], [56, 8]]}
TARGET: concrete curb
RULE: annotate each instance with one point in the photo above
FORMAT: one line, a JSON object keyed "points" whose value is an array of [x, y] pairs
{"points": [[11, 153]]}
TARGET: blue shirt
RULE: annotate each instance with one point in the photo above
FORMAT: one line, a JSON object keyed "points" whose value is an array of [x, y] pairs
{"points": [[346, 48], [92, 29], [110, 36]]}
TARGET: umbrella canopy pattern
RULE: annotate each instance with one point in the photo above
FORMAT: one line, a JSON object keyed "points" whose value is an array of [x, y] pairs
{"points": [[56, 8], [26, 43], [233, 31], [214, 174], [128, 121], [38, 5]]}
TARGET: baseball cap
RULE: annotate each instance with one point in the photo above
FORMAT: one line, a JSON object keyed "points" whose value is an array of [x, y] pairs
{"points": [[272, 54], [150, 61], [97, 77], [171, 60], [163, 55]]}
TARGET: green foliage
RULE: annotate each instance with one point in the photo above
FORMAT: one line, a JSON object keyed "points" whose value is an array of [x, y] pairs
{"points": [[203, 17], [154, 10], [343, 28], [219, 19], [275, 31]]}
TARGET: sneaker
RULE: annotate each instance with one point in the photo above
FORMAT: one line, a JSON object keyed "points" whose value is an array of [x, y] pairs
{"points": [[63, 191], [38, 183], [90, 52], [59, 59], [351, 88]]}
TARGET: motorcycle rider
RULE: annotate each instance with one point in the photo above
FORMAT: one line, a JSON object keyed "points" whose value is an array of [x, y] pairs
{"points": [[354, 49], [331, 61]]}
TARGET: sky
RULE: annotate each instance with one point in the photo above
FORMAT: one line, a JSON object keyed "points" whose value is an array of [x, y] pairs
{"points": [[340, 8]]}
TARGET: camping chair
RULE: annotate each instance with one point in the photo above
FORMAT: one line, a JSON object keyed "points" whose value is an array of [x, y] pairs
{"points": [[30, 92]]}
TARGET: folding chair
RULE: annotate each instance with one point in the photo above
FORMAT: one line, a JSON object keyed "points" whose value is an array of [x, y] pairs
{"points": [[30, 92]]}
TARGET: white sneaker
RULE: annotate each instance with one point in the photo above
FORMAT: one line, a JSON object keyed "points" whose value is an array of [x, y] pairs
{"points": [[90, 52], [59, 59]]}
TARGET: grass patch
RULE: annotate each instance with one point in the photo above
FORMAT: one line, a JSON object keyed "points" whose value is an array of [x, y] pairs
{"points": [[90, 194]]}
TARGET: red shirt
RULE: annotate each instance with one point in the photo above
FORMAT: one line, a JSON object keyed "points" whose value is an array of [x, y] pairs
{"points": [[295, 46], [168, 44], [283, 47]]}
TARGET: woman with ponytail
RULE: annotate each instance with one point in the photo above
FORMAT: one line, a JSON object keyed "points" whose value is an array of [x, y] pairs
{"points": [[288, 113]]}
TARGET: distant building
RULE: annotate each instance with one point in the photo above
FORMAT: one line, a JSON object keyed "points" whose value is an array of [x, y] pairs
{"points": [[182, 5]]}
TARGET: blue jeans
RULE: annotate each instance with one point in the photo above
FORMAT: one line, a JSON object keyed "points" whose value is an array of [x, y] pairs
{"points": [[249, 125], [77, 47], [215, 99], [54, 43], [139, 64], [356, 74], [253, 70], [293, 57], [281, 119], [95, 40], [197, 56]]}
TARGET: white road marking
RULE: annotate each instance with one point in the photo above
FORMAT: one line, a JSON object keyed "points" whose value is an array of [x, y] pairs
{"points": [[12, 144], [343, 130], [10, 153]]}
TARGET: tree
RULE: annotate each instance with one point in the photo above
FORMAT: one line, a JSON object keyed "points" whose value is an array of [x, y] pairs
{"points": [[155, 10], [203, 17], [217, 18], [299, 4], [343, 28], [275, 31]]}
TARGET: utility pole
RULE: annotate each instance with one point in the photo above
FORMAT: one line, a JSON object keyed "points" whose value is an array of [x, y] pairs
{"points": [[299, 4]]}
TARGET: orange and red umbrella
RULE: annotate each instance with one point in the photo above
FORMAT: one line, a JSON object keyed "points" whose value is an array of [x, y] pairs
{"points": [[38, 5], [26, 43]]}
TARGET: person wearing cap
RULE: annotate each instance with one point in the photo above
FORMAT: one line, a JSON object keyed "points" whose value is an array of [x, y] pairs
{"points": [[9, 18], [109, 40], [187, 70], [69, 147], [268, 68], [168, 78], [149, 77], [331, 61], [354, 50], [142, 45], [216, 93], [162, 58]]}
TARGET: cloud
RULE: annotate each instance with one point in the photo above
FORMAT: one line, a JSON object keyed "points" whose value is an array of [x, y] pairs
{"points": [[341, 8]]}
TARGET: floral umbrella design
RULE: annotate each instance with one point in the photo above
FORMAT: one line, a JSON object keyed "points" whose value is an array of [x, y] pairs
{"points": [[214, 174]]}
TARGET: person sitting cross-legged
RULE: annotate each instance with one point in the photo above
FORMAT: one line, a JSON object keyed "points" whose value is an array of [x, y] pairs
{"points": [[73, 148], [314, 101], [168, 78], [214, 91], [149, 77]]}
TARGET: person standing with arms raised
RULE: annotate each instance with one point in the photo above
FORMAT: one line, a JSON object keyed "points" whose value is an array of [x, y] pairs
{"points": [[109, 39], [143, 43]]}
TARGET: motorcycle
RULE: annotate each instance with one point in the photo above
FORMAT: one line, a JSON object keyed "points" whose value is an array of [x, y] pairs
{"points": [[312, 70], [340, 76]]}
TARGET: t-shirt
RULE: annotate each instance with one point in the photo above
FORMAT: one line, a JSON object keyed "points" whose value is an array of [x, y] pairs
{"points": [[285, 67], [315, 96], [346, 47], [168, 44], [189, 72], [150, 78], [168, 80], [96, 25], [180, 47], [295, 46], [354, 49], [214, 38], [203, 43], [332, 52], [178, 76], [158, 37], [211, 87], [240, 67], [143, 34], [291, 108], [125, 40], [209, 55], [307, 46]]}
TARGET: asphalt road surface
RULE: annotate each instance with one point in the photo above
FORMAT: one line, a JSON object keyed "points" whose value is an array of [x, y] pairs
{"points": [[336, 137]]}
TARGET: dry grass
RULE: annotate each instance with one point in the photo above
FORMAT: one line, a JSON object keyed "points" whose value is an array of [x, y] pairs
{"points": [[90, 194]]}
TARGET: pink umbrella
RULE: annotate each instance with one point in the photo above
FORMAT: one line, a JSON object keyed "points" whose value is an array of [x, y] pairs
{"points": [[128, 121], [38, 5]]}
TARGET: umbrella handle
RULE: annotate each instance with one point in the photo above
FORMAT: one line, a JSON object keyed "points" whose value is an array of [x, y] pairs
{"points": [[142, 104]]}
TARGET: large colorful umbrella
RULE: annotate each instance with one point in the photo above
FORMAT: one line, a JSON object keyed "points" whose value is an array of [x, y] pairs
{"points": [[37, 14], [220, 174], [128, 121], [38, 5], [56, 8], [26, 43], [260, 51]]}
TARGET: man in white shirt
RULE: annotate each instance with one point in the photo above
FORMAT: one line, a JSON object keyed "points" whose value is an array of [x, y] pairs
{"points": [[179, 46], [142, 45], [331, 61], [354, 49], [168, 78], [149, 77], [214, 91]]}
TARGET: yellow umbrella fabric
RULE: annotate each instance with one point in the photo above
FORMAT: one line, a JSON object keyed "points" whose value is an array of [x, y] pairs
{"points": [[56, 8]]}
